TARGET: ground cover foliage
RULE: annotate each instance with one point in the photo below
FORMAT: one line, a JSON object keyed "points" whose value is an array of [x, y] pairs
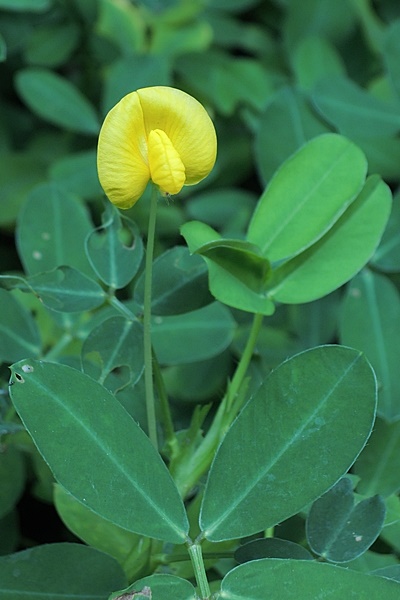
{"points": [[275, 307]]}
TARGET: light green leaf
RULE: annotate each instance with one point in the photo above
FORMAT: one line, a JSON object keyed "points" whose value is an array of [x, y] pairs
{"points": [[109, 464], [57, 100], [59, 571], [230, 276], [340, 253], [314, 58], [51, 231], [307, 195], [193, 336], [283, 579], [19, 335], [370, 321], [339, 530], [290, 443]]}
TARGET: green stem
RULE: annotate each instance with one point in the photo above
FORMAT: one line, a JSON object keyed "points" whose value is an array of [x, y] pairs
{"points": [[120, 307], [166, 417], [195, 464], [199, 570], [148, 355]]}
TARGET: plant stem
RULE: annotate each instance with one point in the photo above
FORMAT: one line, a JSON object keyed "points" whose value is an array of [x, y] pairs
{"points": [[199, 570], [165, 412], [148, 356], [187, 472]]}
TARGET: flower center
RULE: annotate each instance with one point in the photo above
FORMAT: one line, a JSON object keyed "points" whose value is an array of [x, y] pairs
{"points": [[166, 167]]}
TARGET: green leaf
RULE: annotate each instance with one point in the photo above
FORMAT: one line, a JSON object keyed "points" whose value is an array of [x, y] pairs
{"points": [[51, 46], [283, 579], [111, 466], [370, 321], [57, 100], [179, 283], [19, 335], [307, 195], [287, 123], [193, 336], [122, 24], [63, 289], [77, 174], [292, 441], [12, 477], [163, 586], [353, 110], [378, 465], [25, 5], [391, 53], [59, 571], [129, 549], [271, 548], [233, 265], [340, 531], [116, 343], [3, 49], [340, 253], [51, 230], [115, 249], [387, 255], [314, 58]]}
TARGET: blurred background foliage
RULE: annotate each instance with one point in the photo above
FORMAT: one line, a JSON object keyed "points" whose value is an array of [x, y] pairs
{"points": [[272, 74]]}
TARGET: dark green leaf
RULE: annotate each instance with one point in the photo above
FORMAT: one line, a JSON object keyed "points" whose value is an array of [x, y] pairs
{"points": [[64, 289], [115, 249], [340, 253], [109, 464], [116, 343], [283, 450], [19, 173], [68, 571], [19, 335], [51, 230], [307, 195], [340, 531], [387, 255], [51, 46], [271, 548], [193, 336], [12, 477], [162, 587], [77, 174], [179, 283], [57, 100], [391, 53], [25, 5], [315, 58], [287, 123], [378, 465], [370, 321], [354, 111], [129, 549], [283, 579]]}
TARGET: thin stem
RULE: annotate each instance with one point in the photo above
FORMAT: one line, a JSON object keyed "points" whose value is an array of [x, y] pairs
{"points": [[148, 357], [166, 417], [199, 570], [120, 307], [188, 472]]}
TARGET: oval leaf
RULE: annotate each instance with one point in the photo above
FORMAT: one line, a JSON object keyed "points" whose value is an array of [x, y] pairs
{"points": [[290, 443], [56, 100], [340, 253], [158, 587], [307, 195], [271, 548], [280, 579], [59, 571], [108, 464], [340, 531], [19, 335]]}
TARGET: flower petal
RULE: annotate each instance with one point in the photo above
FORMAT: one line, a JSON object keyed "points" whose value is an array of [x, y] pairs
{"points": [[186, 123], [122, 161], [166, 168]]}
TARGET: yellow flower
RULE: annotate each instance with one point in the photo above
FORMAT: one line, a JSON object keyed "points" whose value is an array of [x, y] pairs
{"points": [[156, 133]]}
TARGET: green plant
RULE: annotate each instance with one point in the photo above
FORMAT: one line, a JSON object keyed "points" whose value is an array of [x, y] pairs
{"points": [[264, 327]]}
